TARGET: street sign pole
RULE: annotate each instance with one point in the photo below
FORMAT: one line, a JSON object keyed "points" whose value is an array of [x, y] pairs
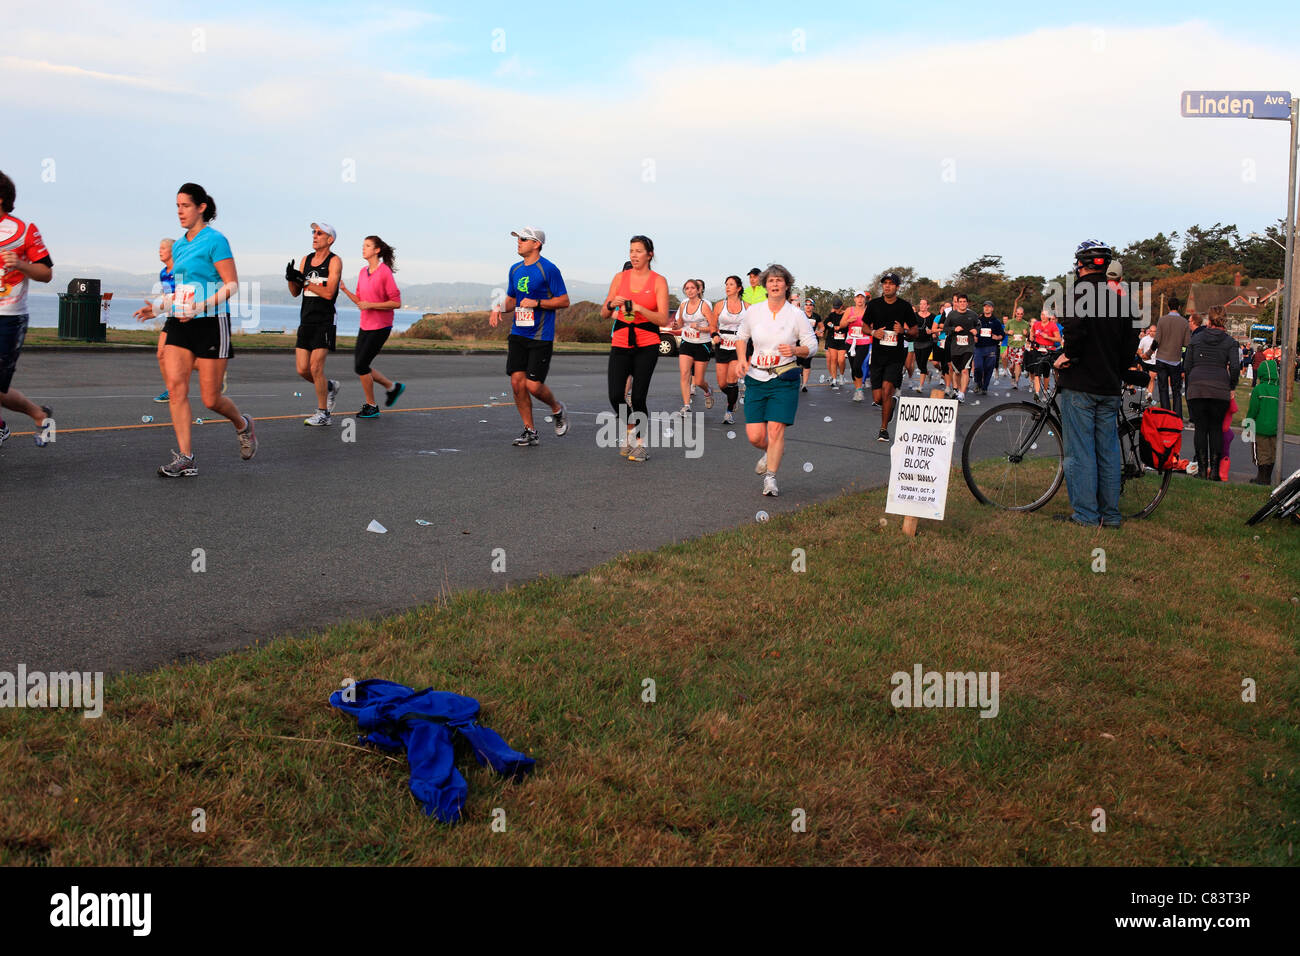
{"points": [[1288, 301]]}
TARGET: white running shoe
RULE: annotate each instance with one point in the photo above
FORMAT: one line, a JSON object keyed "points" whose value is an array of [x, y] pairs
{"points": [[761, 467], [769, 486], [319, 418], [331, 395], [857, 394]]}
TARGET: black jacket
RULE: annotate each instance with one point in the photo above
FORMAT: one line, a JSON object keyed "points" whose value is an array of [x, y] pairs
{"points": [[1213, 364], [1100, 337]]}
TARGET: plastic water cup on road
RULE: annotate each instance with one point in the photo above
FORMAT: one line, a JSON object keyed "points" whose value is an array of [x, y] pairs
{"points": [[482, 421], [376, 527], [826, 419], [297, 394], [549, 419], [731, 435], [821, 379], [807, 466], [198, 421], [997, 418], [761, 516], [422, 523], [146, 419]]}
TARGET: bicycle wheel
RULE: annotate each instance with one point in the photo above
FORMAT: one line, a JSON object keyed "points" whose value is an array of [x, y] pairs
{"points": [[1140, 489], [1013, 457], [1281, 498]]}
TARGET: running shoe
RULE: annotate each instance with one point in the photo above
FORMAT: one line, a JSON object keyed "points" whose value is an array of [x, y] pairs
{"points": [[42, 436], [162, 398], [874, 403], [835, 384], [319, 418], [4, 431], [527, 437], [561, 421], [638, 453], [708, 397], [181, 466], [761, 467], [686, 410], [884, 435], [393, 394], [769, 485], [332, 395], [247, 439], [961, 397], [805, 388], [368, 411], [728, 419], [857, 395]]}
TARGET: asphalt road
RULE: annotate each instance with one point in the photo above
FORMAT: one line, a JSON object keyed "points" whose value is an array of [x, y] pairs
{"points": [[99, 551]]}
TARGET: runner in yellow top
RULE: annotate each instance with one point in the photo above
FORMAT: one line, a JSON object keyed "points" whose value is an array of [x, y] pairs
{"points": [[755, 292]]}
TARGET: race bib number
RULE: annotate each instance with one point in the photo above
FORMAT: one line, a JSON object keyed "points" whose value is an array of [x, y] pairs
{"points": [[524, 318], [963, 340], [986, 333], [767, 360], [887, 337], [1017, 338], [728, 342], [183, 301]]}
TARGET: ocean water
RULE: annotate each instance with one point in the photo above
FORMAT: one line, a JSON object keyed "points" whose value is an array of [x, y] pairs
{"points": [[43, 308]]}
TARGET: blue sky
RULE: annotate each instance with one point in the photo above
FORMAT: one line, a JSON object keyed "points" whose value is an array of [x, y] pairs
{"points": [[839, 139]]}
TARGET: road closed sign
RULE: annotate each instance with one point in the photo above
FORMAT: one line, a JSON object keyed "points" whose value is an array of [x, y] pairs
{"points": [[921, 457]]}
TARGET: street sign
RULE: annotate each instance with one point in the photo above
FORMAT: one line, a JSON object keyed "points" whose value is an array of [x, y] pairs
{"points": [[1261, 328], [1243, 104]]}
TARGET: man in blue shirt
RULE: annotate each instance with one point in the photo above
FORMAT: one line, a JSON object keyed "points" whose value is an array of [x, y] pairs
{"points": [[534, 292]]}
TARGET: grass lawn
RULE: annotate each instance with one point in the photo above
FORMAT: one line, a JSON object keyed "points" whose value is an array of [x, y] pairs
{"points": [[147, 337], [1119, 689]]}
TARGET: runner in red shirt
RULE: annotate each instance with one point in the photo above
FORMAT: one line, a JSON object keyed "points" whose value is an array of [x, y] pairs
{"points": [[23, 257], [1045, 343]]}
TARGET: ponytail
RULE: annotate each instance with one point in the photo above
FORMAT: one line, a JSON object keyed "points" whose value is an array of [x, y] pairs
{"points": [[199, 196], [387, 254]]}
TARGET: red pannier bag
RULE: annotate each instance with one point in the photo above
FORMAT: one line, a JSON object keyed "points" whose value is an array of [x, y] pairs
{"points": [[1162, 439]]}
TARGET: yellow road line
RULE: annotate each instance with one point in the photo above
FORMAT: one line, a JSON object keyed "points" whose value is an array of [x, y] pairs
{"points": [[268, 418]]}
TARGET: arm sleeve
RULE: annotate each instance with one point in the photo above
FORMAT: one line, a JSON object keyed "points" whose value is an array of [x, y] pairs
{"points": [[807, 336], [556, 284]]}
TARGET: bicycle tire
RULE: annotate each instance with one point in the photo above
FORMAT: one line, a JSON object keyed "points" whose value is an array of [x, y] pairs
{"points": [[1134, 474], [1281, 497], [1007, 445]]}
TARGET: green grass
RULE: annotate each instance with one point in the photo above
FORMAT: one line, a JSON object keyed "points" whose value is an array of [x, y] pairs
{"points": [[1119, 689]]}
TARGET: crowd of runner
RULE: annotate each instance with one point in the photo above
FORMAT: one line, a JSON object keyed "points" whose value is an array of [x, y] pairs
{"points": [[760, 335]]}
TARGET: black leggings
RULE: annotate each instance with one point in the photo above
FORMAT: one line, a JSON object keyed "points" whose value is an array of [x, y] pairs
{"points": [[369, 342], [922, 353], [638, 362], [1207, 416], [857, 357]]}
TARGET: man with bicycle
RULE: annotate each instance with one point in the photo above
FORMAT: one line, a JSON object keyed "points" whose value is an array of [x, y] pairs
{"points": [[1100, 340]]}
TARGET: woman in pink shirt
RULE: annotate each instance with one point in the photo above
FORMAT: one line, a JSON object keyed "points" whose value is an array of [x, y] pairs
{"points": [[376, 296]]}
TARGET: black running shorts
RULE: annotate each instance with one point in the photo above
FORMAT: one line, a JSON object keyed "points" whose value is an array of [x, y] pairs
{"points": [[531, 356]]}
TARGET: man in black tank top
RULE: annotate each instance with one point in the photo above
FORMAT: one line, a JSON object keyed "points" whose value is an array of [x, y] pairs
{"points": [[317, 280]]}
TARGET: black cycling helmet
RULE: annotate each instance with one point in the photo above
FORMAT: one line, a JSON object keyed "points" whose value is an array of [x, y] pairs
{"points": [[1093, 254]]}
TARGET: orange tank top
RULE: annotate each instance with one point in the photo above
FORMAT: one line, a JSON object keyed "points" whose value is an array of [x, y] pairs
{"points": [[645, 332]]}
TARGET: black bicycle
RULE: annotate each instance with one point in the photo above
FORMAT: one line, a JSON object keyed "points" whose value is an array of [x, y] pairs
{"points": [[1284, 502], [1014, 457]]}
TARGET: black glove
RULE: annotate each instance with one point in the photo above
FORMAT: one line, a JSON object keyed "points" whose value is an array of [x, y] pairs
{"points": [[293, 275]]}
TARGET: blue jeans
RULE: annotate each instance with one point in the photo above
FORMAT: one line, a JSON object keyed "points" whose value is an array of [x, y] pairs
{"points": [[1090, 427], [986, 363]]}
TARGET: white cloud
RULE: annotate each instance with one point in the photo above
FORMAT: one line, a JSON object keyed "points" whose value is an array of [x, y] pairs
{"points": [[832, 162]]}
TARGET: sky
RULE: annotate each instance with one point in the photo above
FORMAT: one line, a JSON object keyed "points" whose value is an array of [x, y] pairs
{"points": [[838, 139]]}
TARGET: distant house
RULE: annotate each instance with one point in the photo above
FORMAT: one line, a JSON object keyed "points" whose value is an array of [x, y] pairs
{"points": [[1241, 302]]}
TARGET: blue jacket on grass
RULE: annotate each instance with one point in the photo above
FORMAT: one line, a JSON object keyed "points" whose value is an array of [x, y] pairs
{"points": [[421, 723]]}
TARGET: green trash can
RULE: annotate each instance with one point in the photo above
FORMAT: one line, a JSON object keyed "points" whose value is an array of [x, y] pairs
{"points": [[79, 312]]}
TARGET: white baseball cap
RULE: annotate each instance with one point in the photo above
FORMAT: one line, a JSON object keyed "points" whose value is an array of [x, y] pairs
{"points": [[326, 228], [531, 232]]}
